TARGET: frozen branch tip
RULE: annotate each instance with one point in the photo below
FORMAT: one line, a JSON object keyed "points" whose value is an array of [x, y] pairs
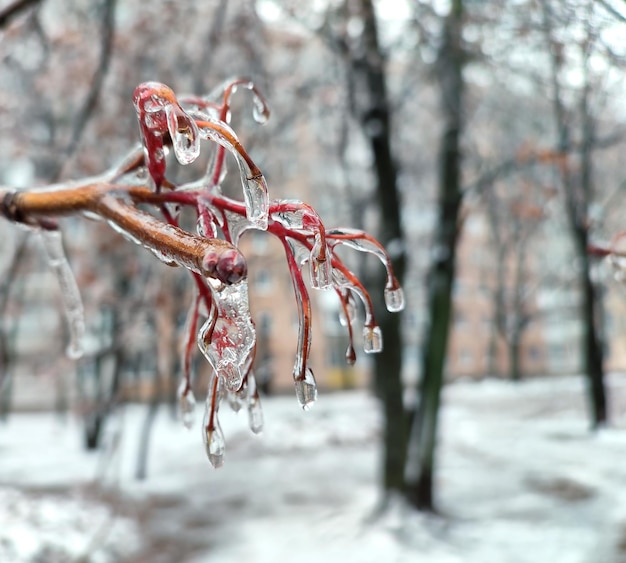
{"points": [[219, 319]]}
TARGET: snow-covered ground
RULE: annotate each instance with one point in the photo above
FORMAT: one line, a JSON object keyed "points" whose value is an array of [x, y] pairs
{"points": [[520, 479]]}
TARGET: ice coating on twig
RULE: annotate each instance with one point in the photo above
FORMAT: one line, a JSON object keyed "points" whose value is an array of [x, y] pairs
{"points": [[72, 302], [228, 341], [289, 213]]}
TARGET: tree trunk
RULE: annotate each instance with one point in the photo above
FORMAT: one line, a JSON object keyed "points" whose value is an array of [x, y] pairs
{"points": [[371, 108], [593, 352], [578, 198], [421, 461]]}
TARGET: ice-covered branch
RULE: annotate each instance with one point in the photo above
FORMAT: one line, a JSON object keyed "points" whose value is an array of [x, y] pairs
{"points": [[219, 320]]}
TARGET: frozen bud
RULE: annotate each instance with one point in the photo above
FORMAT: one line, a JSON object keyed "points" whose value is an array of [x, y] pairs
{"points": [[229, 268], [306, 390], [372, 340], [394, 299], [209, 263]]}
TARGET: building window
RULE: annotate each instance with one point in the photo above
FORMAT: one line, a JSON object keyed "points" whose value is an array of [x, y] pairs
{"points": [[263, 281]]}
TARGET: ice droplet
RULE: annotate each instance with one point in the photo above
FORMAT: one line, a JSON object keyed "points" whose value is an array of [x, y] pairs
{"points": [[206, 224], [394, 299], [214, 444], [372, 340], [235, 401], [186, 404], [70, 294], [257, 200], [260, 111], [320, 268], [185, 134], [228, 345], [306, 390]]}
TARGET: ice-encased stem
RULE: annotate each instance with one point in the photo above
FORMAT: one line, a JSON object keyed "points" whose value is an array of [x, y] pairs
{"points": [[253, 183], [306, 389], [72, 302]]}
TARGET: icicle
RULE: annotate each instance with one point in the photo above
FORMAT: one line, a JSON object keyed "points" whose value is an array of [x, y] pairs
{"points": [[186, 404], [372, 340], [394, 299], [255, 412], [228, 342], [184, 133], [306, 389], [73, 305]]}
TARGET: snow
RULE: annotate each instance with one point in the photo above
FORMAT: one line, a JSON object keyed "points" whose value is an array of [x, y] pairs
{"points": [[520, 479]]}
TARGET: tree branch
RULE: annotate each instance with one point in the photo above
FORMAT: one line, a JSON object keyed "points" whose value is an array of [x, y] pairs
{"points": [[14, 9]]}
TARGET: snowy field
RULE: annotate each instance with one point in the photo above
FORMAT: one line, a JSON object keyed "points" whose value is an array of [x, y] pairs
{"points": [[520, 480]]}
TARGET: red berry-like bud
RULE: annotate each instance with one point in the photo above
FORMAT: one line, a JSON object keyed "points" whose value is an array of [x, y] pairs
{"points": [[231, 266], [209, 263]]}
